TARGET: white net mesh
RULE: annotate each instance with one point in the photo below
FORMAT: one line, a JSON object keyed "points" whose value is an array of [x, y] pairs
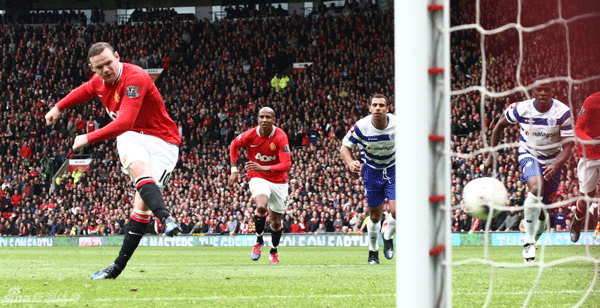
{"points": [[497, 49]]}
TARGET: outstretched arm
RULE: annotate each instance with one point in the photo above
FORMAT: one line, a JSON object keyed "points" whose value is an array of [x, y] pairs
{"points": [[81, 94]]}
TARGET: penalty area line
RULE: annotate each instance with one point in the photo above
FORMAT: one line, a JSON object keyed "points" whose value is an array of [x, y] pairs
{"points": [[239, 297]]}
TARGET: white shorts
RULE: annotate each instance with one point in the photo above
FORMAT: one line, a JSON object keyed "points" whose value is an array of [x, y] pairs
{"points": [[160, 155], [277, 193], [588, 172]]}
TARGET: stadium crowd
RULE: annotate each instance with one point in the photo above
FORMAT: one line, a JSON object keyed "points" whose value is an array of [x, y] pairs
{"points": [[544, 53], [216, 77]]}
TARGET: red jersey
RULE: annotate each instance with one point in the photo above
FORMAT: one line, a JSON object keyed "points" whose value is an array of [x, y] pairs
{"points": [[588, 127], [91, 126], [133, 102], [272, 150]]}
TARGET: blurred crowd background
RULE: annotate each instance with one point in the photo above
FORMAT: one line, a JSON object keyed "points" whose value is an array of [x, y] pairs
{"points": [[216, 77], [218, 74]]}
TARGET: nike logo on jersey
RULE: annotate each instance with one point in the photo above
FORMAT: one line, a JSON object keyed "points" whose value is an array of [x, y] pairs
{"points": [[99, 95], [253, 145], [133, 233]]}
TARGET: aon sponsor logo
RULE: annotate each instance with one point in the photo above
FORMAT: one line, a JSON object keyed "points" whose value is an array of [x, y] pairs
{"points": [[265, 158]]}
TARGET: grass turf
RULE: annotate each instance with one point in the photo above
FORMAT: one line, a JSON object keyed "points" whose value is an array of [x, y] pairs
{"points": [[196, 277], [307, 277], [562, 283]]}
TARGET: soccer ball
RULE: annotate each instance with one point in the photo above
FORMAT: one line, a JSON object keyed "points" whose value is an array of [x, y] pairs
{"points": [[482, 196]]}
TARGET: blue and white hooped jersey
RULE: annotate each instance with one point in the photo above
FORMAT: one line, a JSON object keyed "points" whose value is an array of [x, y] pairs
{"points": [[540, 129], [377, 147]]}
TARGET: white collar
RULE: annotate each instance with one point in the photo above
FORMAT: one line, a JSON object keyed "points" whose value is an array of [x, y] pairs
{"points": [[272, 132], [120, 72]]}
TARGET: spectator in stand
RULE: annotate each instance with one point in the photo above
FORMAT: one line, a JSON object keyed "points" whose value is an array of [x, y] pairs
{"points": [[560, 219], [15, 199], [9, 229], [299, 226], [92, 229], [313, 223], [464, 223], [223, 225], [338, 223], [287, 224], [232, 225], [182, 225], [512, 221], [325, 220], [91, 125], [23, 230], [295, 226], [213, 227], [320, 229]]}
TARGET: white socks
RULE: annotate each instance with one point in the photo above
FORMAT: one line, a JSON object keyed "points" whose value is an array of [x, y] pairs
{"points": [[532, 211], [541, 228], [391, 228], [373, 232]]}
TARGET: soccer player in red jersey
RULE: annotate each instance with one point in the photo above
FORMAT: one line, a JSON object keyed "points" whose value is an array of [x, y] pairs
{"points": [[147, 140], [269, 161], [588, 168]]}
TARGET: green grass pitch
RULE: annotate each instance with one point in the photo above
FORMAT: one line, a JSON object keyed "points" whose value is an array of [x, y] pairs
{"points": [[307, 277], [561, 284], [196, 277]]}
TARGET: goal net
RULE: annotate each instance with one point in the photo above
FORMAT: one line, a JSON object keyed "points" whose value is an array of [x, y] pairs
{"points": [[497, 49]]}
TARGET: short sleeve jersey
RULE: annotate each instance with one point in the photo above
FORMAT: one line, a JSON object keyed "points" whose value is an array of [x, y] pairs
{"points": [[540, 133]]}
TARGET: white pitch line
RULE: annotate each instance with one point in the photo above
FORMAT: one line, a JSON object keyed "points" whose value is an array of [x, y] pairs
{"points": [[239, 297], [526, 292]]}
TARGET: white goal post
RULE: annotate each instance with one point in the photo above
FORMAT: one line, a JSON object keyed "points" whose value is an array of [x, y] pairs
{"points": [[423, 234]]}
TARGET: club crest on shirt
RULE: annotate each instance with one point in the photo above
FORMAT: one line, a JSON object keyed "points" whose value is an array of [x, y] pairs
{"points": [[551, 122], [272, 146], [132, 91], [529, 163], [117, 98], [392, 136]]}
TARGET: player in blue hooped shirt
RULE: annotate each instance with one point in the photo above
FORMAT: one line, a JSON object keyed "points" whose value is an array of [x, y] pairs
{"points": [[375, 137], [544, 125]]}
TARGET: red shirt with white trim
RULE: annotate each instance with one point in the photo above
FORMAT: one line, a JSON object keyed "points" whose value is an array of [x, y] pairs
{"points": [[273, 151], [133, 102], [587, 126]]}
